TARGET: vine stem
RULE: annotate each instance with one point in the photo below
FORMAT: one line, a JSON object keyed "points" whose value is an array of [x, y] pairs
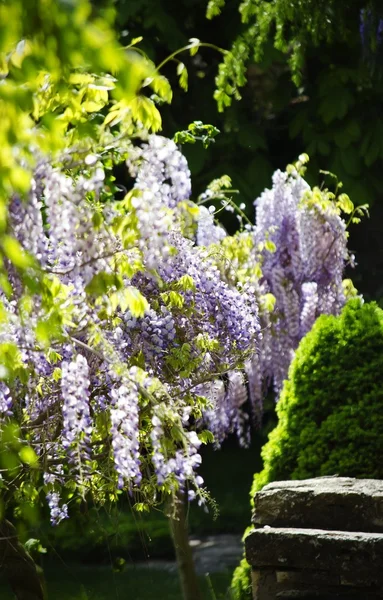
{"points": [[194, 44]]}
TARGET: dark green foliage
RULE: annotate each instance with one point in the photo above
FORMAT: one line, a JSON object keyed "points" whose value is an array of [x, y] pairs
{"points": [[335, 61], [331, 408]]}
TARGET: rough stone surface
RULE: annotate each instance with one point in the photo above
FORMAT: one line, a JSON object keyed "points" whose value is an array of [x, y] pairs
{"points": [[356, 559], [320, 538], [269, 584], [340, 503]]}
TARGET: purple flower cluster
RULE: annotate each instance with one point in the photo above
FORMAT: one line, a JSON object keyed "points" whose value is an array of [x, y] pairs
{"points": [[6, 401], [207, 231], [26, 224], [225, 412], [303, 247], [52, 479], [86, 400], [156, 333], [124, 419], [162, 181], [223, 312], [57, 512], [76, 247], [77, 424], [158, 166], [182, 465]]}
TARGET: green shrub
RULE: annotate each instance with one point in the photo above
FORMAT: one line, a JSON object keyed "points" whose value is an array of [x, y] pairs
{"points": [[240, 586], [241, 582], [330, 414]]}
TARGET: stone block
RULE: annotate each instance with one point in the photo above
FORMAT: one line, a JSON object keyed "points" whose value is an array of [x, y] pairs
{"points": [[318, 539], [341, 503]]}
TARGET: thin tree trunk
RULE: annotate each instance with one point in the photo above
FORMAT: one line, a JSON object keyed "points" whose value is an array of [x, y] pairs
{"points": [[18, 566], [186, 569]]}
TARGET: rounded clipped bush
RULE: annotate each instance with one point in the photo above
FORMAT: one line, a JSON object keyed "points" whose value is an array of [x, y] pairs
{"points": [[330, 414]]}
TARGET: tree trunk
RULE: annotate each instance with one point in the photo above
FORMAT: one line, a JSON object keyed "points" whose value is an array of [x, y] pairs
{"points": [[18, 566], [186, 569]]}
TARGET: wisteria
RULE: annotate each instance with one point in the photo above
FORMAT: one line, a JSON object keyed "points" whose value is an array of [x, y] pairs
{"points": [[162, 181], [150, 324], [159, 166], [58, 511], [224, 414], [5, 401], [132, 317], [124, 418], [301, 243], [77, 424], [208, 232]]}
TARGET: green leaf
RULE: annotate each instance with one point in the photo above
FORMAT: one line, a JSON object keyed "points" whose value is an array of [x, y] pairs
{"points": [[345, 204], [92, 106], [10, 434], [214, 8], [173, 299], [184, 137], [267, 302], [132, 299], [48, 328], [194, 44], [270, 246], [183, 76], [29, 456], [15, 252], [141, 507], [186, 283], [101, 283], [161, 86], [136, 40], [56, 375], [35, 545], [145, 111], [206, 437]]}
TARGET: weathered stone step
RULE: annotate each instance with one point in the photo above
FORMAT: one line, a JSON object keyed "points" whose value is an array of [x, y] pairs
{"points": [[353, 557], [340, 503]]}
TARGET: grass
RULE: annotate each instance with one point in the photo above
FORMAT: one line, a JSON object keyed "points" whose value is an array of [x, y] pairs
{"points": [[75, 582]]}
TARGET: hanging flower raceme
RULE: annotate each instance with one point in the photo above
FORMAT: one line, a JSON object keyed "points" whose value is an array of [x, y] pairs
{"points": [[124, 418], [301, 243], [77, 423], [162, 181]]}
